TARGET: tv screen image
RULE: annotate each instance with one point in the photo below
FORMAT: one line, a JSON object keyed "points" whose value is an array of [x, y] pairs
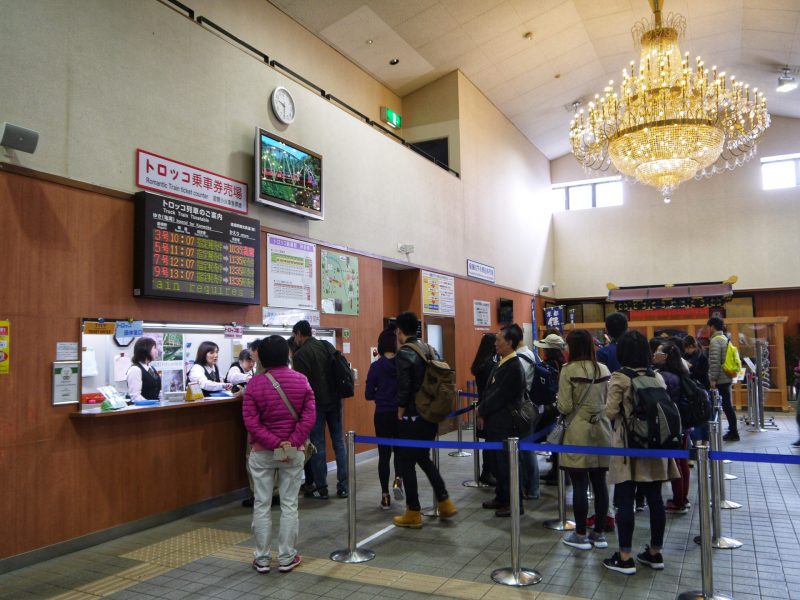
{"points": [[288, 176]]}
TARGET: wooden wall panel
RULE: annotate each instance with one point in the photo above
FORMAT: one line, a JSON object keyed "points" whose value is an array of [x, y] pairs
{"points": [[391, 293], [780, 303]]}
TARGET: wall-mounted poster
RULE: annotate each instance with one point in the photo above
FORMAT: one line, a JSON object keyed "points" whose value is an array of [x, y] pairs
{"points": [[438, 294], [170, 361], [339, 283], [482, 313], [291, 273]]}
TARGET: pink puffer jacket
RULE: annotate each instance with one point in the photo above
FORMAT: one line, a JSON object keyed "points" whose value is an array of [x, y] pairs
{"points": [[266, 416]]}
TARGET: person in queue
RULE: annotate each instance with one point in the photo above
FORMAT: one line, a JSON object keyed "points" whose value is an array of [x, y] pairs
{"points": [[381, 388], [144, 383], [718, 379], [582, 390], [250, 499], [506, 389], [413, 426], [308, 473], [482, 365], [279, 412], [628, 473], [616, 325], [552, 347], [241, 371], [528, 463], [205, 371]]}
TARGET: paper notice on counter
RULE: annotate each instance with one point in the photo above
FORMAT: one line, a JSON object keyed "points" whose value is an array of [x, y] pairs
{"points": [[66, 350]]}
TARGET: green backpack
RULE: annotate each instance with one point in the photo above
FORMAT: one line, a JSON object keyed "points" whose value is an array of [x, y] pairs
{"points": [[732, 363], [436, 395]]}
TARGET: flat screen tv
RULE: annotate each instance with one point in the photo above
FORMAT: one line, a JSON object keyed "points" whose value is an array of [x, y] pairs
{"points": [[505, 311], [288, 177]]}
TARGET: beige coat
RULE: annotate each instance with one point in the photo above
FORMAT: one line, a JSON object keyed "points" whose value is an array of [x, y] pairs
{"points": [[583, 403], [624, 468]]}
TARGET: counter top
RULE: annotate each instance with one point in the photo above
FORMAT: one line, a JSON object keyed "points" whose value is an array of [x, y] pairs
{"points": [[93, 413]]}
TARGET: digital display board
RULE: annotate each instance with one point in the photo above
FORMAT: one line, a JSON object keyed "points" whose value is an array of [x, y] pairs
{"points": [[188, 251]]}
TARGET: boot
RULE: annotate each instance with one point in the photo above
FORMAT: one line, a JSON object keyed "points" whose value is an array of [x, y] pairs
{"points": [[410, 518], [447, 509]]}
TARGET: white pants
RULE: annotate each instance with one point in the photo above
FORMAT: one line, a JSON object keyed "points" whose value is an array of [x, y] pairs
{"points": [[264, 468]]}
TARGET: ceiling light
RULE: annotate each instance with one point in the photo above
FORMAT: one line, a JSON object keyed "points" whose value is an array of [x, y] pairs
{"points": [[369, 42], [394, 61], [528, 35], [786, 81], [671, 120]]}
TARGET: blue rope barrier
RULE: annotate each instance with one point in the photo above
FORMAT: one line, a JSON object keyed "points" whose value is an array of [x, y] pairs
{"points": [[597, 451], [458, 413], [381, 441], [786, 459], [468, 394]]}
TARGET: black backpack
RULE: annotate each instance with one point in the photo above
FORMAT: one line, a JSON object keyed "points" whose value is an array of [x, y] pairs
{"points": [[694, 406], [655, 422], [340, 374], [544, 387]]}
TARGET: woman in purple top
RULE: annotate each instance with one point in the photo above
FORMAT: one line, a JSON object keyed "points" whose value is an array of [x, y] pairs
{"points": [[381, 387]]}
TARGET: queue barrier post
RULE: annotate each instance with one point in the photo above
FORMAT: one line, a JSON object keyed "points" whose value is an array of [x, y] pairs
{"points": [[722, 476], [476, 457], [706, 559], [561, 523], [459, 452], [433, 511], [718, 540], [470, 417], [515, 575], [351, 554]]}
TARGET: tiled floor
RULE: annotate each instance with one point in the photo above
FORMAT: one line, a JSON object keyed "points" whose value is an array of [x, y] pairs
{"points": [[208, 555]]}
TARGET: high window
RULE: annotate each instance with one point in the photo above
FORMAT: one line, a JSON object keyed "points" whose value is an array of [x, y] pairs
{"points": [[778, 172], [591, 193]]}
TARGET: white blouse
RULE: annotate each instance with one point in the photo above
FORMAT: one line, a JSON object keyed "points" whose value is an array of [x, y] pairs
{"points": [[236, 376], [199, 374], [134, 378]]}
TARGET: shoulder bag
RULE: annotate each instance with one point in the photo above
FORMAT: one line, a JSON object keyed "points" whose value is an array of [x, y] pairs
{"points": [[311, 449], [556, 437]]}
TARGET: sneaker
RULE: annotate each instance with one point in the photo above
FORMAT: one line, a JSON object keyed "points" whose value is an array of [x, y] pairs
{"points": [[320, 494], [581, 542], [654, 561], [796, 444], [386, 502], [641, 507], [615, 563], [259, 568], [397, 489], [598, 540], [675, 509], [342, 493], [295, 561], [731, 436]]}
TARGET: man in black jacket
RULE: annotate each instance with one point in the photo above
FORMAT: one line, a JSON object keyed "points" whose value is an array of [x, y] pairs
{"points": [[312, 359], [410, 372], [505, 389]]}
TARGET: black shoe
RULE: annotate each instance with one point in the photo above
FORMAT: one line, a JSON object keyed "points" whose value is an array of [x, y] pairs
{"points": [[505, 511], [276, 500], [615, 563], [549, 480], [248, 502], [654, 561], [488, 479], [731, 436], [320, 494], [492, 504], [341, 493], [307, 487], [796, 444]]}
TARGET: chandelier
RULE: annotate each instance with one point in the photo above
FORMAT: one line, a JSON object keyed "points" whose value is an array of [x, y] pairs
{"points": [[670, 120]]}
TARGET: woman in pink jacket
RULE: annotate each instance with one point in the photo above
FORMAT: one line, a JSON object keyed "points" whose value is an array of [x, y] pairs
{"points": [[278, 434]]}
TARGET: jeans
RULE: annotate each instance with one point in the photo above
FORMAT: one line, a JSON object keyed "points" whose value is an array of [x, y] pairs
{"points": [[386, 425], [624, 494], [529, 473], [319, 466], [419, 429], [580, 502], [727, 406], [264, 469]]}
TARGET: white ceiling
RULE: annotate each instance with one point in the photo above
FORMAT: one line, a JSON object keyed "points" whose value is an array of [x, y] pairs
{"points": [[577, 47]]}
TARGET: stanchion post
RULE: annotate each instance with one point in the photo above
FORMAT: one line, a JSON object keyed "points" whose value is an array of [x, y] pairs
{"points": [[476, 457], [706, 560], [718, 540], [352, 554], [433, 512], [723, 503], [469, 418], [561, 523], [459, 452], [515, 574]]}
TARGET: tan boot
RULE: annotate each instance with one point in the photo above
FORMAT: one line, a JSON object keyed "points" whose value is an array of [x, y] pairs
{"points": [[411, 518], [447, 509]]}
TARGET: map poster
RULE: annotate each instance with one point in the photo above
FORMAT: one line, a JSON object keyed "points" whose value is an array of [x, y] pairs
{"points": [[482, 313], [438, 294], [291, 273], [339, 283]]}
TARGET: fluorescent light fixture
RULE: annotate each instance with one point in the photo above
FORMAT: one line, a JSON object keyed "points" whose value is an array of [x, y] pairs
{"points": [[786, 81], [183, 326]]}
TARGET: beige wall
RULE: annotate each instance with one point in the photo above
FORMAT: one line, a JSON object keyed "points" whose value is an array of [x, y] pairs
{"points": [[100, 78], [713, 228]]}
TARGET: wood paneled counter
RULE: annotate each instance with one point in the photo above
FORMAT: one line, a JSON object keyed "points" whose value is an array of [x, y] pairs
{"points": [[93, 413]]}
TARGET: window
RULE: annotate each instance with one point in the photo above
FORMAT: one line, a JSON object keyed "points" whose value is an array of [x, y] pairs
{"points": [[592, 193], [779, 172]]}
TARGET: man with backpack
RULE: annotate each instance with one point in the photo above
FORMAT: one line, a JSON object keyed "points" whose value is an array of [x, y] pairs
{"points": [[529, 464], [411, 370], [313, 359], [718, 379]]}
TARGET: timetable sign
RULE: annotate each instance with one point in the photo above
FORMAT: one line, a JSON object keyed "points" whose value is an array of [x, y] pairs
{"points": [[188, 251]]}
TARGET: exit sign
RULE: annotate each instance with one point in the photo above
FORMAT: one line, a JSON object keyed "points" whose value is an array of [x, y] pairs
{"points": [[391, 118]]}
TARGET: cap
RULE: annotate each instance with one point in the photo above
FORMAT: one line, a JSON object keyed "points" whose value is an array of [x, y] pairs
{"points": [[551, 341]]}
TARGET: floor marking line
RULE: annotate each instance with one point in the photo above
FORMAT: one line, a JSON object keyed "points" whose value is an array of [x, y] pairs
{"points": [[375, 535]]}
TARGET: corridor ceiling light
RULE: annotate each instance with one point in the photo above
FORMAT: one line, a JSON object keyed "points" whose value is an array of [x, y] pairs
{"points": [[786, 81], [670, 120]]}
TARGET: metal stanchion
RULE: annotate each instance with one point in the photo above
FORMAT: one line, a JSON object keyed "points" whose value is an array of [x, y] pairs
{"points": [[561, 523], [352, 554], [472, 388], [706, 561], [515, 575], [434, 510], [459, 452], [476, 457], [718, 540], [717, 446]]}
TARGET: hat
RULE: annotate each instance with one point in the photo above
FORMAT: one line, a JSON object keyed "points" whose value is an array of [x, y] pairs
{"points": [[551, 341]]}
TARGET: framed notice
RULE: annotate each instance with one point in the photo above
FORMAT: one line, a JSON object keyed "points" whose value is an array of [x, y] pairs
{"points": [[438, 294], [66, 382], [482, 313], [190, 252], [291, 273], [339, 282]]}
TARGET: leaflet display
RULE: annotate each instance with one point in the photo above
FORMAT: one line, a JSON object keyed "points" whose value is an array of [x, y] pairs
{"points": [[192, 252]]}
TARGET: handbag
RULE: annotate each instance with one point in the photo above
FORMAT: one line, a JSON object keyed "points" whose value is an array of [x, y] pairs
{"points": [[556, 437], [311, 449]]}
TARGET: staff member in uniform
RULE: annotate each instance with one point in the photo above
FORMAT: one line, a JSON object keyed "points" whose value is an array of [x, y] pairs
{"points": [[205, 372], [144, 383], [241, 371]]}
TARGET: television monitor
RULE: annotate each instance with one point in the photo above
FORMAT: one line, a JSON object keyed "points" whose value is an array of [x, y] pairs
{"points": [[505, 311], [288, 177]]}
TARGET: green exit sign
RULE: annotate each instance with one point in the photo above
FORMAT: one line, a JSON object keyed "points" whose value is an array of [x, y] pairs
{"points": [[391, 118]]}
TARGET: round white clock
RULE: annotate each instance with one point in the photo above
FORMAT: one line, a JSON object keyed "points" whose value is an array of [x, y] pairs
{"points": [[283, 105]]}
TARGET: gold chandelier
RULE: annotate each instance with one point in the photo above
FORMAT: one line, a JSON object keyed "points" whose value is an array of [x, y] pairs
{"points": [[670, 121]]}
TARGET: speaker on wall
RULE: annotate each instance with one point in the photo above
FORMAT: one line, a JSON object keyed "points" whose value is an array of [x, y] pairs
{"points": [[18, 138], [505, 311]]}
